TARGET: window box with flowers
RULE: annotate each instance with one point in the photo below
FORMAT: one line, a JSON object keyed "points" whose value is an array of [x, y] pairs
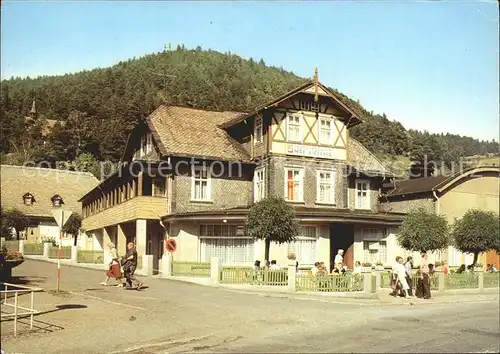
{"points": [[366, 267], [379, 266]]}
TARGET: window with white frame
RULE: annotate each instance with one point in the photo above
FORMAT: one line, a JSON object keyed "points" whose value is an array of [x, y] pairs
{"points": [[362, 194], [149, 143], [159, 186], [375, 251], [325, 130], [294, 184], [146, 145], [259, 185], [227, 242], [304, 246], [258, 130], [325, 187], [200, 188], [142, 150], [309, 105], [294, 127]]}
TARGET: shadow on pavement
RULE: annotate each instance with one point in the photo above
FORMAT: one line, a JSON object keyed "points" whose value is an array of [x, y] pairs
{"points": [[42, 326], [22, 280]]}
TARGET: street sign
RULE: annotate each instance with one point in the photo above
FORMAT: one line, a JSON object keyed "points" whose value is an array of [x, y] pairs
{"points": [[170, 245], [61, 216]]}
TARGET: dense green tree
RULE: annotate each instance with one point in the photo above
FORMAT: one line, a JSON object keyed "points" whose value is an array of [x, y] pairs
{"points": [[14, 218], [73, 226], [99, 107], [272, 220], [423, 231], [476, 232]]}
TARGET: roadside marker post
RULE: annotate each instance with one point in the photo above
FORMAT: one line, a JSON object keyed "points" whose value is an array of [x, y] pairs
{"points": [[61, 216]]}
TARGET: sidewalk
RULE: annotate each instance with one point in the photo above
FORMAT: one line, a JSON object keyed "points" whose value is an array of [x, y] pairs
{"points": [[450, 296]]}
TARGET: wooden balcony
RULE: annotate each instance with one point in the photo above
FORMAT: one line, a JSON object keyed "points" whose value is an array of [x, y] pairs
{"points": [[139, 207]]}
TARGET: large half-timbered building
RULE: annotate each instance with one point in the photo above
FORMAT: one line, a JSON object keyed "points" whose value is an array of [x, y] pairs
{"points": [[192, 175]]}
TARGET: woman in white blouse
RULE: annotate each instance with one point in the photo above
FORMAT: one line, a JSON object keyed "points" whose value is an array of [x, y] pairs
{"points": [[401, 274]]}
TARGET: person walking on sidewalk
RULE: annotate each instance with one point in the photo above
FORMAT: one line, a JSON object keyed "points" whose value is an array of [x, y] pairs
{"points": [[114, 270], [129, 266]]}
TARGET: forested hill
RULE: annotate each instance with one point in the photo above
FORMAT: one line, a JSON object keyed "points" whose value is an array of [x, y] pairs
{"points": [[101, 106]]}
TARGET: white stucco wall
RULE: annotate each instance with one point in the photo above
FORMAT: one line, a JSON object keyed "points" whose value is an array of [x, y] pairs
{"points": [[188, 245]]}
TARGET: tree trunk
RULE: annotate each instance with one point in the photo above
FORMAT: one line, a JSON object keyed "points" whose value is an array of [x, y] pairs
{"points": [[266, 254], [75, 240], [476, 255]]}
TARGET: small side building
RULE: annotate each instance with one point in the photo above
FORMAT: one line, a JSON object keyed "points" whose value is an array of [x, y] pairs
{"points": [[36, 191], [451, 196]]}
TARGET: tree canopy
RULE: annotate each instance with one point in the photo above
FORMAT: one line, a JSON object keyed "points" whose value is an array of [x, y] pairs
{"points": [[423, 231], [73, 226], [272, 220], [13, 218], [100, 107], [476, 232]]}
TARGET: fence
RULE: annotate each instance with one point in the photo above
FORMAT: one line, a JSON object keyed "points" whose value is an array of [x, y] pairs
{"points": [[15, 293], [65, 252], [385, 281], [90, 256], [461, 281], [247, 275], [191, 269], [491, 280], [11, 245], [330, 283], [33, 249], [452, 281]]}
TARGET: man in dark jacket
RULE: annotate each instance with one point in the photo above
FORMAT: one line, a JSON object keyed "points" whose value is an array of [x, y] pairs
{"points": [[129, 264]]}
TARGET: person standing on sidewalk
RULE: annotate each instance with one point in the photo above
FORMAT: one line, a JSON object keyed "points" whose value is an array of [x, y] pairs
{"points": [[424, 277], [129, 266]]}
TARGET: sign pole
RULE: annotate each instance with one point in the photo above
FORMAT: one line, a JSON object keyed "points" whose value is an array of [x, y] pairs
{"points": [[59, 252]]}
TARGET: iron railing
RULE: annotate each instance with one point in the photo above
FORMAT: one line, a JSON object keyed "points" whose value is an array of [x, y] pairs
{"points": [[15, 292]]}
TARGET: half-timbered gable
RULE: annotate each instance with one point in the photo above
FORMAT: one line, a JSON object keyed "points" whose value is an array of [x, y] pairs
{"points": [[309, 121]]}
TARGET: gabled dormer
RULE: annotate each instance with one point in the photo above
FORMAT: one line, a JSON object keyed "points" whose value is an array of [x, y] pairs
{"points": [[141, 145], [28, 199], [309, 121], [57, 201]]}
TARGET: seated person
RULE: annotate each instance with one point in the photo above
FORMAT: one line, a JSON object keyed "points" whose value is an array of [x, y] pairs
{"points": [[274, 266], [315, 269]]}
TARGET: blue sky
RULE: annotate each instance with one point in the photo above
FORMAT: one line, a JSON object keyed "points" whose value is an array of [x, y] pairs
{"points": [[430, 65]]}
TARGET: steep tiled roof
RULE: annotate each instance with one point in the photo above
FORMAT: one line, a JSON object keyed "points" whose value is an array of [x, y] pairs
{"points": [[363, 160], [182, 131], [43, 184]]}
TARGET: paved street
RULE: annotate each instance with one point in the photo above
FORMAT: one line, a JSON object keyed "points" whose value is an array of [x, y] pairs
{"points": [[172, 317]]}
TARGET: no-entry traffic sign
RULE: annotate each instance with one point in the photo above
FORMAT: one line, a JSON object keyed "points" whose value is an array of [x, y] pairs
{"points": [[170, 245]]}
